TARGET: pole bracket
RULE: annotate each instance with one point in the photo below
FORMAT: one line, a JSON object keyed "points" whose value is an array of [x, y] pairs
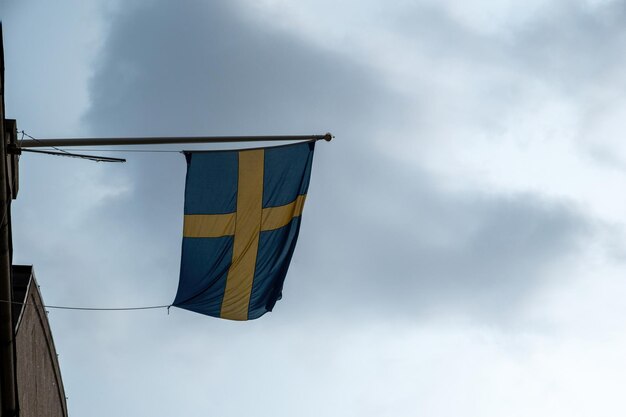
{"points": [[13, 149]]}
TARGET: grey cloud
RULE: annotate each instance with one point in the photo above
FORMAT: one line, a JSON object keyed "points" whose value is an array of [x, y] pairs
{"points": [[568, 50], [377, 235], [401, 246], [572, 45], [202, 68], [562, 41], [379, 238]]}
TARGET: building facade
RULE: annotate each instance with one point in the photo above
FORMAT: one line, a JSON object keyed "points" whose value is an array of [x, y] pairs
{"points": [[39, 385]]}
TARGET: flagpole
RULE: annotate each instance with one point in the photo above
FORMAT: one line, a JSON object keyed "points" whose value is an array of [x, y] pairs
{"points": [[164, 140]]}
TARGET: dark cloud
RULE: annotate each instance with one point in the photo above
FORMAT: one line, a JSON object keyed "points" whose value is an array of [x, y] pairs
{"points": [[571, 46], [378, 235], [568, 45], [392, 243], [382, 241], [203, 68]]}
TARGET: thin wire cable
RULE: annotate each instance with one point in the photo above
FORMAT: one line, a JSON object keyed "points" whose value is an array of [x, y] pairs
{"points": [[63, 152], [88, 308], [122, 150], [75, 155], [37, 140]]}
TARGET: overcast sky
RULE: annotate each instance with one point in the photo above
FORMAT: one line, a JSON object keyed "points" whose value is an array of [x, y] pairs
{"points": [[463, 245]]}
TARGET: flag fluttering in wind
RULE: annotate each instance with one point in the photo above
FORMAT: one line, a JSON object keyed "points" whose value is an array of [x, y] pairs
{"points": [[242, 216]]}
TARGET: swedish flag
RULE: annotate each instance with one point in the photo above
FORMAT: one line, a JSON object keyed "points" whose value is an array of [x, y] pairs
{"points": [[242, 217]]}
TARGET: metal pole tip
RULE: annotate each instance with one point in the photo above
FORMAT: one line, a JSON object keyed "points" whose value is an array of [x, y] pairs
{"points": [[328, 137]]}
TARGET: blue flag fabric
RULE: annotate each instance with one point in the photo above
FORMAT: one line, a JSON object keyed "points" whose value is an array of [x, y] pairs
{"points": [[242, 217]]}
